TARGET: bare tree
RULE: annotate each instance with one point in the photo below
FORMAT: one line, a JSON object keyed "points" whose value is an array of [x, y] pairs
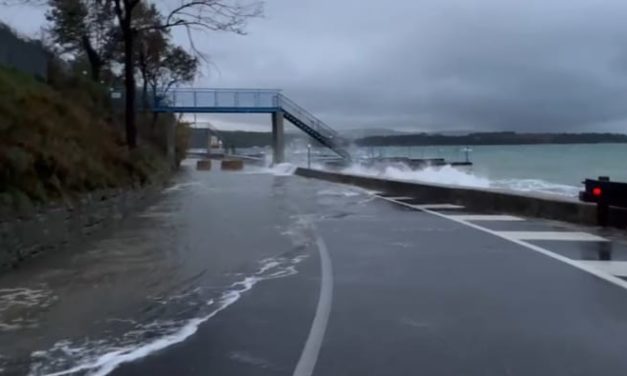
{"points": [[193, 15], [212, 15], [83, 27]]}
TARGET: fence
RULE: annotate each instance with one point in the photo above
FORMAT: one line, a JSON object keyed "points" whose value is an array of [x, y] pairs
{"points": [[27, 56]]}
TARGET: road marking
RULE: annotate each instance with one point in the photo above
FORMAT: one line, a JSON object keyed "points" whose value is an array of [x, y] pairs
{"points": [[438, 206], [471, 217], [399, 198], [552, 235], [575, 263], [309, 356], [617, 268]]}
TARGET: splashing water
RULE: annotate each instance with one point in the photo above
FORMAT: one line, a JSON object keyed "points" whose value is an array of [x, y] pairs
{"points": [[440, 175], [453, 176]]}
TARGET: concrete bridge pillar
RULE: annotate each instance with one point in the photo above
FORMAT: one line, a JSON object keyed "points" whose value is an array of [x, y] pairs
{"points": [[278, 138]]}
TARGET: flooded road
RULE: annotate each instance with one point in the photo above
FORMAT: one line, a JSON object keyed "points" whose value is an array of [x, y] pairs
{"points": [[260, 273], [153, 279]]}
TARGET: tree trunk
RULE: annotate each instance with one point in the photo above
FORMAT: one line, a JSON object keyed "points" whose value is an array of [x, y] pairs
{"points": [[145, 103], [129, 83], [155, 115], [143, 68], [95, 61]]}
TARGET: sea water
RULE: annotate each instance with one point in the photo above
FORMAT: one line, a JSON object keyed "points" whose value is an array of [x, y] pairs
{"points": [[553, 169]]}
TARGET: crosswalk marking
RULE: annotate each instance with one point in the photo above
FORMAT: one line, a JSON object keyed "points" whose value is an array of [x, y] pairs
{"points": [[617, 268], [473, 217], [551, 235], [610, 271]]}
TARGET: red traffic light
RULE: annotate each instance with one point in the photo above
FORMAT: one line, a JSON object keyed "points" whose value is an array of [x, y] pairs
{"points": [[597, 192]]}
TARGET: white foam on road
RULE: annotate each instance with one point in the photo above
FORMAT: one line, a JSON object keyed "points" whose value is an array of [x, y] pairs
{"points": [[181, 186], [474, 217], [97, 362], [338, 192], [23, 299], [437, 206], [552, 235], [279, 169]]}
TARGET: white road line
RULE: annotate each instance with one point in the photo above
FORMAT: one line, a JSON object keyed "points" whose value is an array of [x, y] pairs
{"points": [[552, 235], [399, 198], [577, 264], [438, 206], [471, 217], [617, 268], [309, 356]]}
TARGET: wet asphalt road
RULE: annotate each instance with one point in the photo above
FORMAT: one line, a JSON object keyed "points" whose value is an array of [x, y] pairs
{"points": [[411, 292]]}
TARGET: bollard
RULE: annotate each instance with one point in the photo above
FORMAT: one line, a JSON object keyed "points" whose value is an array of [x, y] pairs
{"points": [[232, 164], [203, 165]]}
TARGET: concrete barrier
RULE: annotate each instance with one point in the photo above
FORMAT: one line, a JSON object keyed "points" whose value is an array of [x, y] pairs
{"points": [[203, 165], [232, 164], [486, 200]]}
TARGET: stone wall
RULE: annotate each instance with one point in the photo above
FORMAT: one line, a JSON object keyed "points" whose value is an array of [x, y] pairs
{"points": [[48, 228]]}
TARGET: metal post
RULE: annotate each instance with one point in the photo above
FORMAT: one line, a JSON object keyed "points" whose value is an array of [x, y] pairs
{"points": [[603, 209], [309, 156], [467, 152], [278, 137]]}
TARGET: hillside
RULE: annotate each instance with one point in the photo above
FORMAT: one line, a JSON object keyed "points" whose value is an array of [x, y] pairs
{"points": [[58, 142]]}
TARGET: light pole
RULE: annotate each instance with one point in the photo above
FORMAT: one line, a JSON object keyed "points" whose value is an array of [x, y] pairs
{"points": [[467, 151], [309, 156]]}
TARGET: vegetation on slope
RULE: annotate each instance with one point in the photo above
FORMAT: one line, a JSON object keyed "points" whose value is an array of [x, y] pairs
{"points": [[58, 142]]}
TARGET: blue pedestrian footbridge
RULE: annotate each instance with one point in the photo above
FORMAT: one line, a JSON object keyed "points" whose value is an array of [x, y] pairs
{"points": [[252, 101]]}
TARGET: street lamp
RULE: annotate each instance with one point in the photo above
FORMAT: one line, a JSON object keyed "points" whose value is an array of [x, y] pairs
{"points": [[309, 156]]}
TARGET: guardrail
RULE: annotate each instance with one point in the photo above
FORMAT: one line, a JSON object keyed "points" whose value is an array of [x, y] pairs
{"points": [[233, 99], [306, 117]]}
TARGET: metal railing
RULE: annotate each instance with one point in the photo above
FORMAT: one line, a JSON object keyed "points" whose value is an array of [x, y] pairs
{"points": [[250, 100], [219, 98], [306, 117]]}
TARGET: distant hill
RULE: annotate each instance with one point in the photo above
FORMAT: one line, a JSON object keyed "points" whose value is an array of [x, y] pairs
{"points": [[370, 132], [243, 139], [492, 138]]}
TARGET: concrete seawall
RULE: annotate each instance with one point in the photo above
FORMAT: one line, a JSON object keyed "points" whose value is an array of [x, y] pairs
{"points": [[490, 200]]}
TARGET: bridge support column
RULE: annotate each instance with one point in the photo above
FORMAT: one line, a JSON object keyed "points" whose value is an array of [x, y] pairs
{"points": [[278, 138]]}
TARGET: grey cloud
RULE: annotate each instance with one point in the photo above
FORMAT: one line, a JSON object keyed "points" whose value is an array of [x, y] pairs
{"points": [[526, 65]]}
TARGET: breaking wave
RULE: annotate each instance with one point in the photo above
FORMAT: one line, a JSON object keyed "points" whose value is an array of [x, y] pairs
{"points": [[455, 176]]}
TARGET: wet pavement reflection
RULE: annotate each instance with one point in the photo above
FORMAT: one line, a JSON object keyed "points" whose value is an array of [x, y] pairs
{"points": [[155, 277]]}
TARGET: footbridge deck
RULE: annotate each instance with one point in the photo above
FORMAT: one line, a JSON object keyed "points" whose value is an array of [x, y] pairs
{"points": [[270, 101]]}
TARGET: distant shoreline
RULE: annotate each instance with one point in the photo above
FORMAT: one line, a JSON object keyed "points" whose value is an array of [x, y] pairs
{"points": [[245, 139], [496, 138]]}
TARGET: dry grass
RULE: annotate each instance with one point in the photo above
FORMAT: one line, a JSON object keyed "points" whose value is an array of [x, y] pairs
{"points": [[56, 143]]}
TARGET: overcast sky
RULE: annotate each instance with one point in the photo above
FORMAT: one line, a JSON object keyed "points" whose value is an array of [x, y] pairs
{"points": [[433, 65]]}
